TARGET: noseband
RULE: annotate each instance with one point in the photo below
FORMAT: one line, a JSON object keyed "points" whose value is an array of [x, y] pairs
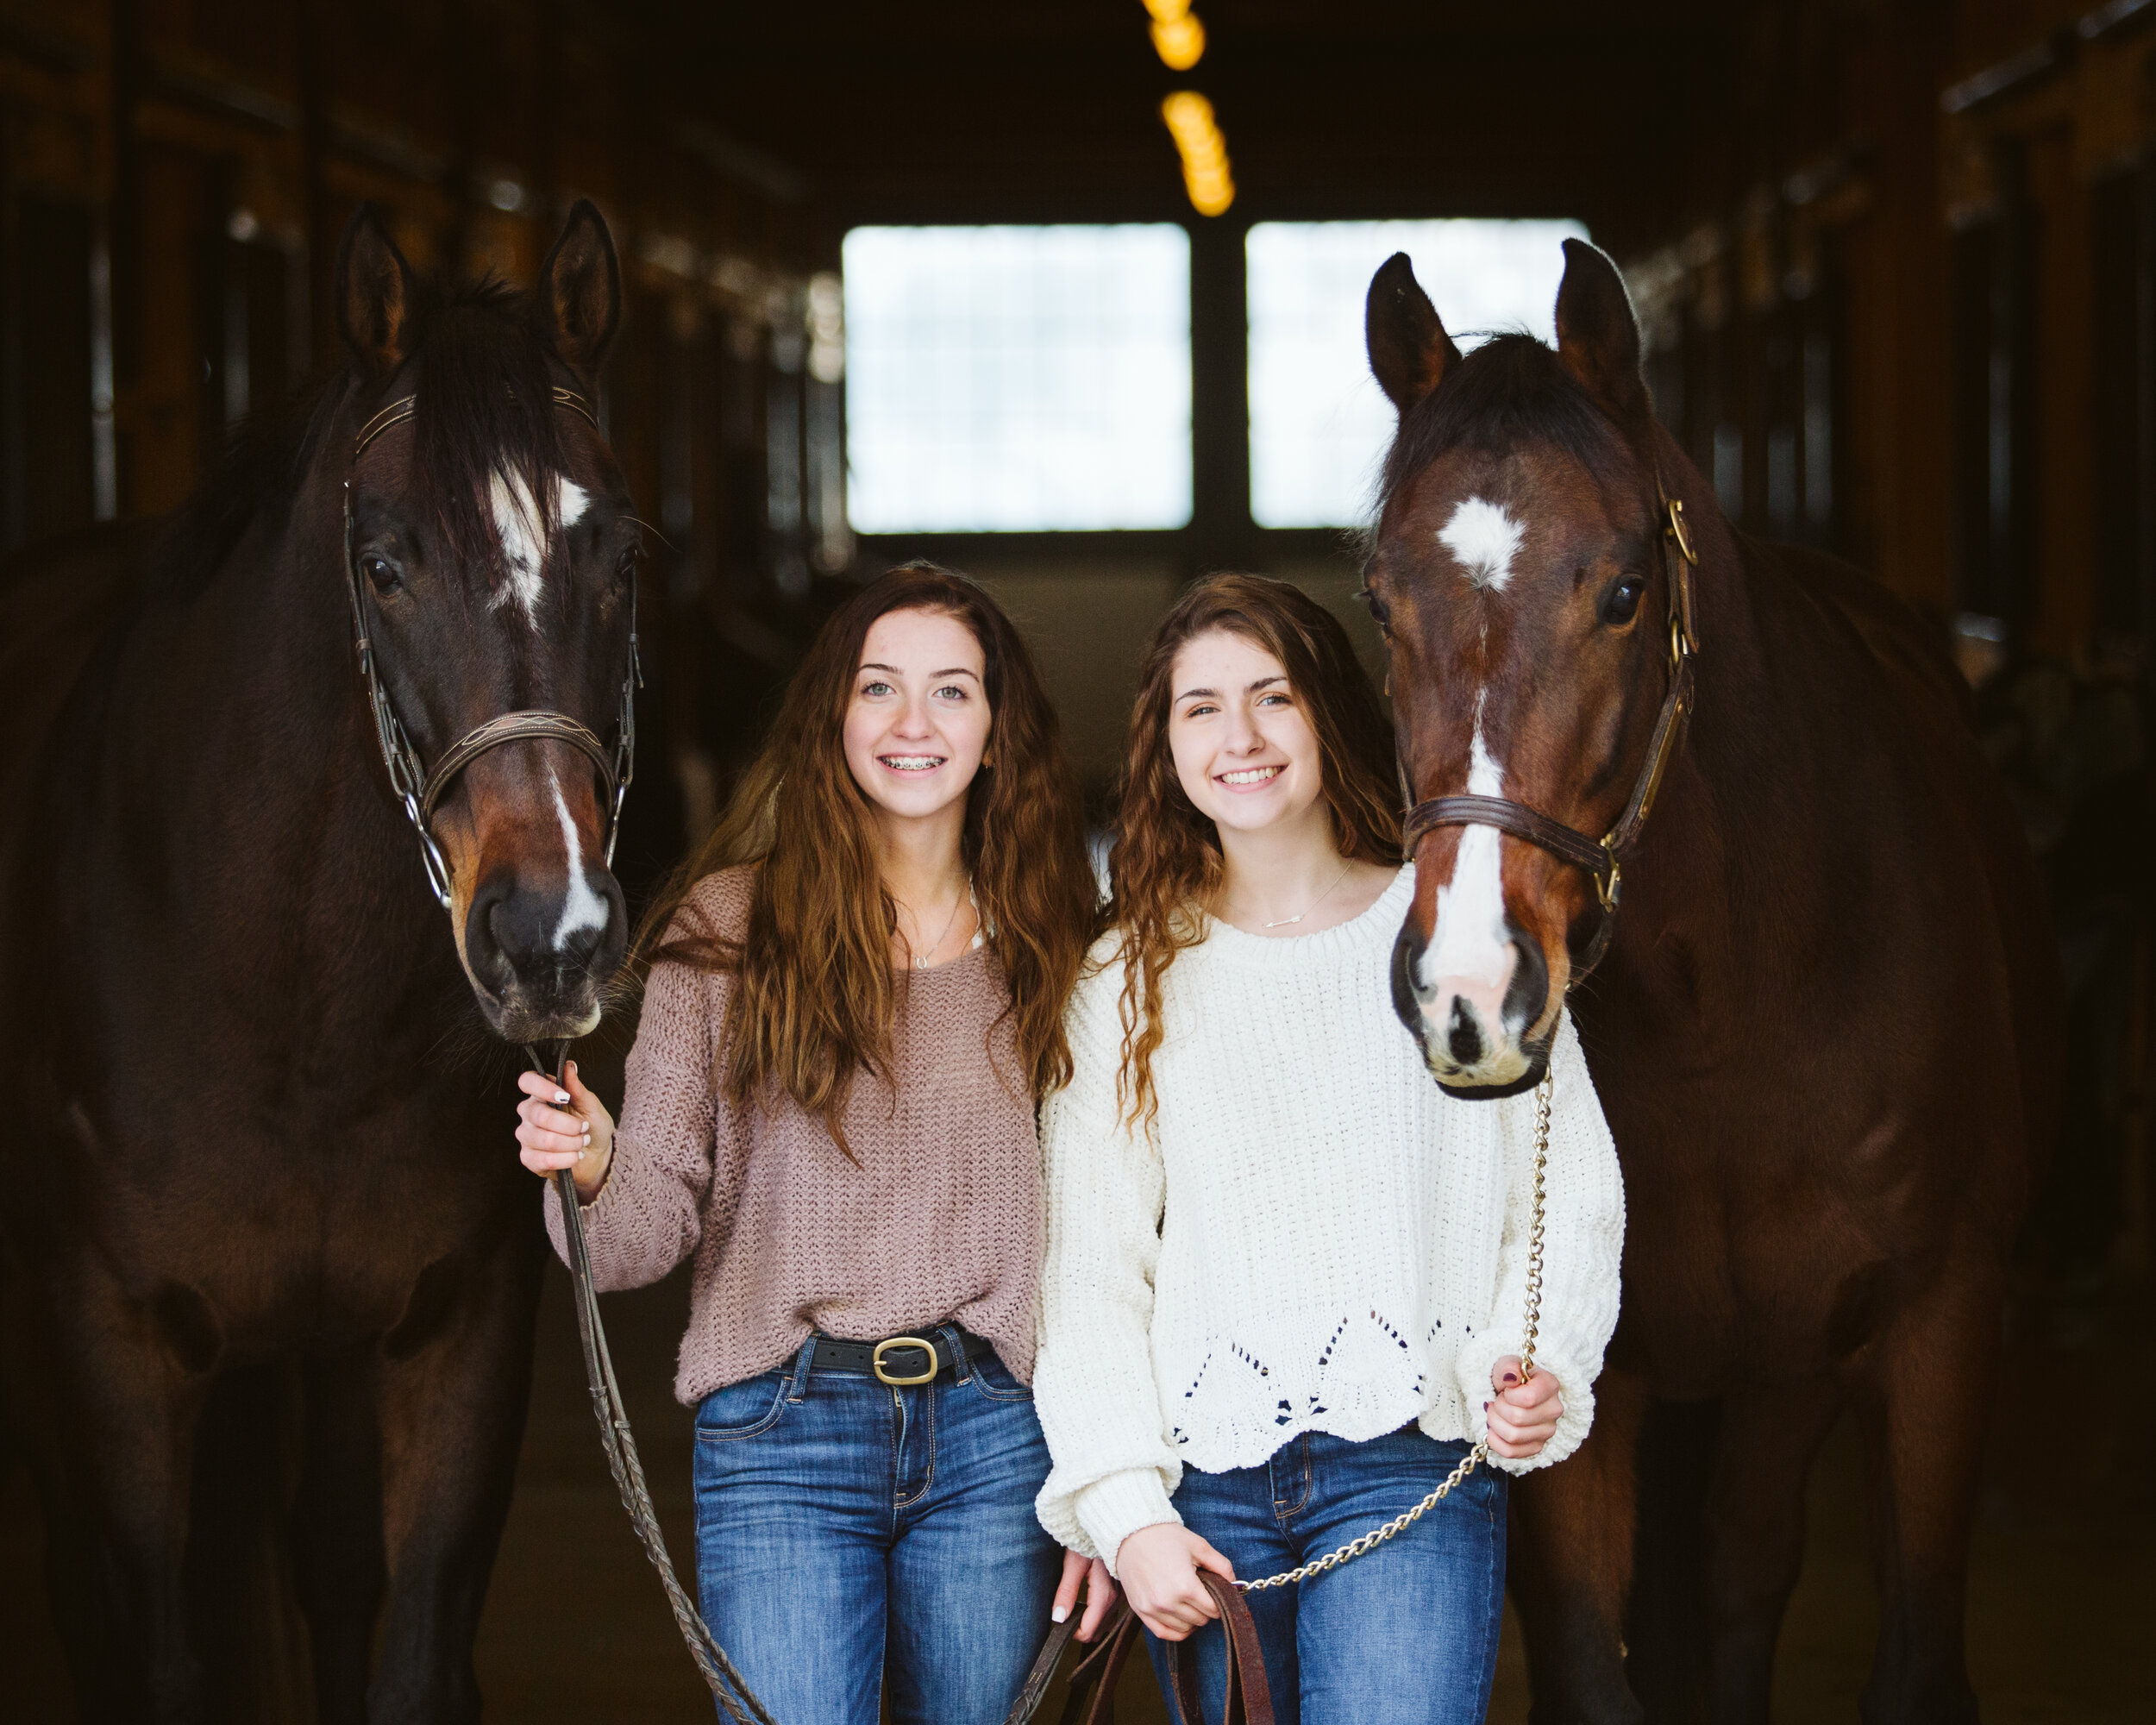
{"points": [[421, 791], [1601, 858]]}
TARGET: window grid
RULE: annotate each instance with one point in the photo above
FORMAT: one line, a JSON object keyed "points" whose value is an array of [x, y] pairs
{"points": [[1018, 378]]}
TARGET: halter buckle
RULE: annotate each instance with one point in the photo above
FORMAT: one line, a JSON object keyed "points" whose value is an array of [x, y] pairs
{"points": [[1609, 879], [1681, 534]]}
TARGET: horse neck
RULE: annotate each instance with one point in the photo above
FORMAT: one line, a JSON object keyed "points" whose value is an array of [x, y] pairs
{"points": [[1743, 774]]}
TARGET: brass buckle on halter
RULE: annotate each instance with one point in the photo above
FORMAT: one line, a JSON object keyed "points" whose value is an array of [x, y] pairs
{"points": [[1679, 532], [1609, 882], [876, 1361]]}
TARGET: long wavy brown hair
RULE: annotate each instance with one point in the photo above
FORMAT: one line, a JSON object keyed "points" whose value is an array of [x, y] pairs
{"points": [[1164, 866], [815, 990]]}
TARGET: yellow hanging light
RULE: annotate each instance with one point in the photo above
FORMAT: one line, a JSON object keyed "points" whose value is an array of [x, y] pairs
{"points": [[1204, 151], [1178, 38]]}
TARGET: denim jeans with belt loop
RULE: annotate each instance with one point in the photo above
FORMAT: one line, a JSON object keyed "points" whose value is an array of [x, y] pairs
{"points": [[851, 1532], [1404, 1634]]}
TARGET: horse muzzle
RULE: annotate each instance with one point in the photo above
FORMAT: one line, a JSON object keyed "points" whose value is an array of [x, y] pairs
{"points": [[1476, 1026], [540, 958]]}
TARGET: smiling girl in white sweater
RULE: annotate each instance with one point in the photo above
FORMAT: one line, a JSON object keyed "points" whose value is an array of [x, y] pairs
{"points": [[1285, 1275]]}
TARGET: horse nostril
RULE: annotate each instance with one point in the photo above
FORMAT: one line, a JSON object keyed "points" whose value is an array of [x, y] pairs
{"points": [[1462, 1035], [1410, 994], [483, 942], [577, 950]]}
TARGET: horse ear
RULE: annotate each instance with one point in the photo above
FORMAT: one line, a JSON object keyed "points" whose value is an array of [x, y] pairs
{"points": [[579, 293], [1409, 350], [374, 294], [1598, 334]]}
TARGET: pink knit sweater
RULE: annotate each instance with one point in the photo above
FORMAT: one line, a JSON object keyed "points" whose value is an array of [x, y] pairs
{"points": [[941, 1218]]}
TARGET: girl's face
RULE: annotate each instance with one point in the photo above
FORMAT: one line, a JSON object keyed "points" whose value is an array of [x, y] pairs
{"points": [[1242, 746], [916, 724]]}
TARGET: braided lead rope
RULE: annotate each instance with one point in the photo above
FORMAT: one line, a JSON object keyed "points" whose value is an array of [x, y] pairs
{"points": [[735, 1699], [733, 1695], [1480, 1453]]}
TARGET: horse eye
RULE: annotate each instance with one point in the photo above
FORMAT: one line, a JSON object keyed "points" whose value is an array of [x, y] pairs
{"points": [[1379, 614], [1623, 602], [381, 572], [626, 566]]}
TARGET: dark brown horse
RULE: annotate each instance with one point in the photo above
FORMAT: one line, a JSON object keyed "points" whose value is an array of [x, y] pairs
{"points": [[226, 985], [1823, 1027]]}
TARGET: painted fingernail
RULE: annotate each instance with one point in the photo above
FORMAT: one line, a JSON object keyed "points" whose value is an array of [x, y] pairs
{"points": [[561, 1098], [1509, 1378], [1059, 1614]]}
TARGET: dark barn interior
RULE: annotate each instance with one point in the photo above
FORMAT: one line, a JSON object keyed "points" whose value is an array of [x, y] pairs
{"points": [[1896, 261]]}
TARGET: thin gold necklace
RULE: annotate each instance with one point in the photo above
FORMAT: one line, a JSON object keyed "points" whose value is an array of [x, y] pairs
{"points": [[1286, 922], [920, 959]]}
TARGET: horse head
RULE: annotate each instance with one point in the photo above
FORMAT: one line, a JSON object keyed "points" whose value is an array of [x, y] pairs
{"points": [[1521, 573], [490, 552]]}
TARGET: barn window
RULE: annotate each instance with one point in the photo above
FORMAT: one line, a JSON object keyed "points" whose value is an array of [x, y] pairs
{"points": [[1010, 379], [1318, 423]]}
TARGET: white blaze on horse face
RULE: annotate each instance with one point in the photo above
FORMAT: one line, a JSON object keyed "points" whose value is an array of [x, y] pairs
{"points": [[581, 907], [517, 524], [1470, 956], [1483, 540]]}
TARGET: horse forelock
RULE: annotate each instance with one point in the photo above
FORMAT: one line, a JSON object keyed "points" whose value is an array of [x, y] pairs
{"points": [[487, 457], [1510, 392]]}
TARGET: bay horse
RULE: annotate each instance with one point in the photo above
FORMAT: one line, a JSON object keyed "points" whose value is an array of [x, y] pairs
{"points": [[1823, 1025], [234, 1138]]}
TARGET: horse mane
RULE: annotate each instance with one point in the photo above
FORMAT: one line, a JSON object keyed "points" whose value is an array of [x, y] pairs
{"points": [[480, 368], [258, 472], [1511, 389]]}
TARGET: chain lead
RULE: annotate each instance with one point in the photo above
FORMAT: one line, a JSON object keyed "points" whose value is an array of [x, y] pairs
{"points": [[1480, 1453]]}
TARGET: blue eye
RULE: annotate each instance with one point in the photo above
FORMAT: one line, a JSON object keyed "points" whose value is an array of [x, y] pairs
{"points": [[877, 688]]}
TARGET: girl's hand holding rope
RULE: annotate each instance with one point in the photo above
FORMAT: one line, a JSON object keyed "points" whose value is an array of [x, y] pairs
{"points": [[562, 1127], [1099, 1586]]}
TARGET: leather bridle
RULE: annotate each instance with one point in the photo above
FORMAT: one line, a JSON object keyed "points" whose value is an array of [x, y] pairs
{"points": [[1601, 858], [420, 790]]}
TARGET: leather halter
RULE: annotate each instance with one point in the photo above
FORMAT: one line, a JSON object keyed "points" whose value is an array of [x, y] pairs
{"points": [[421, 791], [1601, 858]]}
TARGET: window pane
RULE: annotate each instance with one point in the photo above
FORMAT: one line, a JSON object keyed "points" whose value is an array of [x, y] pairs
{"points": [[1318, 423], [1018, 378]]}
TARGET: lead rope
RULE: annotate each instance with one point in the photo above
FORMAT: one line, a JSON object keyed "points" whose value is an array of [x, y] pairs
{"points": [[1480, 1453], [735, 1699]]}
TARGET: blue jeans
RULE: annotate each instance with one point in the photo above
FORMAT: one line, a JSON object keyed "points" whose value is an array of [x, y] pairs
{"points": [[1404, 1634], [839, 1519]]}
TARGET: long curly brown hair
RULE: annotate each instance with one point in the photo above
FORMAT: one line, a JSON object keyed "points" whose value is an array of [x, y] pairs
{"points": [[1164, 866], [815, 990]]}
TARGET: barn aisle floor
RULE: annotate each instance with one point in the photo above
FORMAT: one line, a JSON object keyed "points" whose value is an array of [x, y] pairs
{"points": [[2062, 1591]]}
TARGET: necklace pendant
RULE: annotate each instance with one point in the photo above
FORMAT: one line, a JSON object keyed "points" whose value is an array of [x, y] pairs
{"points": [[1284, 921]]}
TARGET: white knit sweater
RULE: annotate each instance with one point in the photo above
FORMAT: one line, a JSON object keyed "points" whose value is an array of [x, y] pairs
{"points": [[1315, 1239]]}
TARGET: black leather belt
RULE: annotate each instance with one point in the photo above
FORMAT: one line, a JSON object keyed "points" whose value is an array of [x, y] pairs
{"points": [[898, 1360]]}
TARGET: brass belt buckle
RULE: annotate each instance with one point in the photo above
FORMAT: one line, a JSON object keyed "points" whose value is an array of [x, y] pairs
{"points": [[876, 1361]]}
